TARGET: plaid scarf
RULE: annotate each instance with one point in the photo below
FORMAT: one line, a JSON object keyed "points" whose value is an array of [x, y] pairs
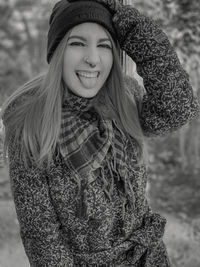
{"points": [[86, 137]]}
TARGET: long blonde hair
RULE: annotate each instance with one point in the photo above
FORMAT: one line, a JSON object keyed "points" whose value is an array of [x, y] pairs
{"points": [[33, 112]]}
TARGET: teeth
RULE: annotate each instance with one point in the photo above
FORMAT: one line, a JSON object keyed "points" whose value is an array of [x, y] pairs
{"points": [[88, 74]]}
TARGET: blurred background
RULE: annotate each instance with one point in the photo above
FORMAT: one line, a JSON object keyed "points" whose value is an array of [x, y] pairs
{"points": [[174, 184]]}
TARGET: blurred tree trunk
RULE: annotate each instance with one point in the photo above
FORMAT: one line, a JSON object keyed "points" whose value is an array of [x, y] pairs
{"points": [[23, 42]]}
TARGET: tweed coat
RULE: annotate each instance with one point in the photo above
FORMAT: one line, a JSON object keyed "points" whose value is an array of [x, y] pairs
{"points": [[52, 233]]}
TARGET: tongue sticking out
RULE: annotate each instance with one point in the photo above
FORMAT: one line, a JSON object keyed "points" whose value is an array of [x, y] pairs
{"points": [[88, 81]]}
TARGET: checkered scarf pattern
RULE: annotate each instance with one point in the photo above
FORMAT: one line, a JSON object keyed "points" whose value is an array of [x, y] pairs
{"points": [[85, 139], [85, 136]]}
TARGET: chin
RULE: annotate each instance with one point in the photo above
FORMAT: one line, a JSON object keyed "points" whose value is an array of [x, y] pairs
{"points": [[89, 94]]}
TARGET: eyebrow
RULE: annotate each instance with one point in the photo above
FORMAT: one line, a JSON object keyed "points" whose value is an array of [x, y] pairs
{"points": [[84, 39]]}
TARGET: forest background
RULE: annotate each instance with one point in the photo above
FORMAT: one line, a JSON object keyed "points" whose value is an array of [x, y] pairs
{"points": [[174, 185]]}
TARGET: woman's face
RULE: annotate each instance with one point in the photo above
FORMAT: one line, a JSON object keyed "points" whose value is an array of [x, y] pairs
{"points": [[88, 59]]}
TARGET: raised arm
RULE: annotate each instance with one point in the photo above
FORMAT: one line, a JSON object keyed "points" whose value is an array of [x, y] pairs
{"points": [[169, 102], [39, 226]]}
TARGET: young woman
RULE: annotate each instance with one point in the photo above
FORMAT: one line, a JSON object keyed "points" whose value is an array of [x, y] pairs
{"points": [[75, 138]]}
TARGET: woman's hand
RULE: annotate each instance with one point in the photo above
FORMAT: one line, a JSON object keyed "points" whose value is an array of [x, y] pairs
{"points": [[112, 5]]}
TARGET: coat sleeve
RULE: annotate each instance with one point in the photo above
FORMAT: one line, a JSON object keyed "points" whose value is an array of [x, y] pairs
{"points": [[40, 228], [169, 102]]}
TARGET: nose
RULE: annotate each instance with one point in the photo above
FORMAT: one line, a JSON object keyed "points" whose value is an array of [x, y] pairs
{"points": [[92, 57]]}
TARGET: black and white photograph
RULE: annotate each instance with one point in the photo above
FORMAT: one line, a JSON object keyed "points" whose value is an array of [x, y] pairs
{"points": [[99, 133]]}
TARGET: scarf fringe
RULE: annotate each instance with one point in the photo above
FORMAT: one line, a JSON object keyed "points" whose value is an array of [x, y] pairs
{"points": [[81, 206], [86, 136], [123, 184]]}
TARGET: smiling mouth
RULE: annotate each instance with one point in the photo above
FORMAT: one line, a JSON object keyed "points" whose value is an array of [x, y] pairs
{"points": [[88, 74], [88, 79]]}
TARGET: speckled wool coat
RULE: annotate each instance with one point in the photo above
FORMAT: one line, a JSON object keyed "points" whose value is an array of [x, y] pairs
{"points": [[52, 234]]}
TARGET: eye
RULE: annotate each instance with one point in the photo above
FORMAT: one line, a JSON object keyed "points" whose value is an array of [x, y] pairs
{"points": [[76, 44], [107, 46]]}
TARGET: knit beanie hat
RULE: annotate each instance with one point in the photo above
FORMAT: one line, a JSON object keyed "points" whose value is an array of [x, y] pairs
{"points": [[67, 14]]}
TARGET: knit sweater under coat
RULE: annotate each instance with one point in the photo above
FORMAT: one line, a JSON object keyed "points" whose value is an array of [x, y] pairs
{"points": [[52, 233]]}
